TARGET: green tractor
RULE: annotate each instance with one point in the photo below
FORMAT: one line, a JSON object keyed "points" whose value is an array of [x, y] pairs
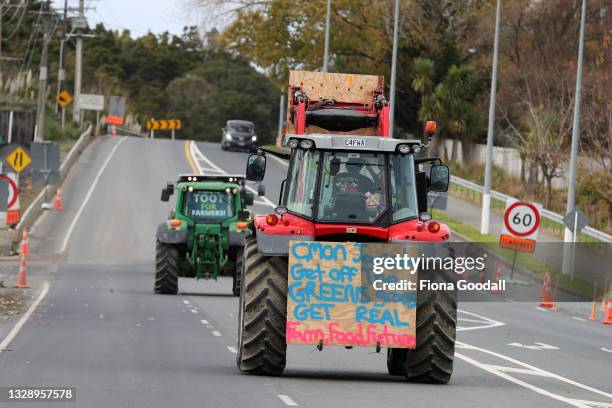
{"points": [[206, 230]]}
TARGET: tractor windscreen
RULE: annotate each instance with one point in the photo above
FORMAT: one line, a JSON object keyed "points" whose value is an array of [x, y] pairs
{"points": [[403, 187], [208, 207], [352, 187]]}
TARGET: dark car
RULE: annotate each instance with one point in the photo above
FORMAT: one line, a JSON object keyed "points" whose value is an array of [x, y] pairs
{"points": [[239, 135]]}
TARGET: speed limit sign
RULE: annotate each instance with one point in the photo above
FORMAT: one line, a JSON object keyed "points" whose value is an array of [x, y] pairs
{"points": [[521, 225]]}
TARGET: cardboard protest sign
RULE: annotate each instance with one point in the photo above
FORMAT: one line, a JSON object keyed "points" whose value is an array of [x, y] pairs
{"points": [[330, 297]]}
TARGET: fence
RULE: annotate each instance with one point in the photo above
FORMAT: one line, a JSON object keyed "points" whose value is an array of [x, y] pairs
{"points": [[550, 220]]}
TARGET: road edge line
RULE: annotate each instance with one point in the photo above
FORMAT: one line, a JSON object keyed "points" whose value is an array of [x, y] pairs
{"points": [[17, 328], [88, 195]]}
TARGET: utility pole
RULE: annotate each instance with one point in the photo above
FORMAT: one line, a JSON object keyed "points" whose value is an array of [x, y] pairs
{"points": [[568, 259], [393, 70], [486, 196], [76, 111], [327, 28], [42, 84]]}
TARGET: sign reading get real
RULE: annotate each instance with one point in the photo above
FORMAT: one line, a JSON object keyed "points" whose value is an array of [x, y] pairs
{"points": [[329, 302]]}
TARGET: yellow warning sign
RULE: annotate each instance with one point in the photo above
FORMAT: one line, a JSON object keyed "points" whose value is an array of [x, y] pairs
{"points": [[18, 159], [63, 98]]}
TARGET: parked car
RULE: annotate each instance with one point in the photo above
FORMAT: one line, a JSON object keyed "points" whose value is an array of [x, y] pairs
{"points": [[239, 135]]}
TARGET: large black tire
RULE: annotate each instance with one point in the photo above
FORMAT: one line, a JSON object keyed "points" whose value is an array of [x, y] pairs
{"points": [[395, 361], [236, 282], [167, 260], [262, 313], [431, 361]]}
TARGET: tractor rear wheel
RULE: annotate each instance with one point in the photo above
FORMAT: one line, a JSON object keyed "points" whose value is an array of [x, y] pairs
{"points": [[431, 361], [167, 259], [237, 272], [263, 313]]}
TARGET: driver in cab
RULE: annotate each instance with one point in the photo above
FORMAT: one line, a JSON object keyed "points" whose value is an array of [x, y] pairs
{"points": [[352, 181]]}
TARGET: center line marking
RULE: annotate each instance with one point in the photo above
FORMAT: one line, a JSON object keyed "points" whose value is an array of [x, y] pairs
{"points": [[232, 349], [194, 311], [287, 400], [216, 333], [204, 321], [186, 302]]}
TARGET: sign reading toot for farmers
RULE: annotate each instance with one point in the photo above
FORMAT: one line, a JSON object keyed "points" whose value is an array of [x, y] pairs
{"points": [[329, 302], [521, 225]]}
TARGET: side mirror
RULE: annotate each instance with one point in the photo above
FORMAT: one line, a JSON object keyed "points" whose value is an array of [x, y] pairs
{"points": [[256, 167], [244, 215], [167, 192], [261, 190], [439, 178], [249, 198]]}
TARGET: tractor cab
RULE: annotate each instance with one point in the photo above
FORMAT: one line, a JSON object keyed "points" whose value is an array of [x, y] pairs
{"points": [[355, 188]]}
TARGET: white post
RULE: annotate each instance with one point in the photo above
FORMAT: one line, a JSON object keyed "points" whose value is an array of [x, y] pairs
{"points": [[281, 121], [486, 196], [327, 27], [393, 70], [10, 128], [172, 133]]}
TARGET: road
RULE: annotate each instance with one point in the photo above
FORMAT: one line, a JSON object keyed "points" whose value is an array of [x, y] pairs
{"points": [[102, 330]]}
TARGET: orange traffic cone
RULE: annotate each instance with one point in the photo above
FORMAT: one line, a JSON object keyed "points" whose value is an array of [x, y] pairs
{"points": [[22, 283], [25, 242], [593, 315], [114, 131], [497, 278], [608, 318], [58, 200], [545, 300]]}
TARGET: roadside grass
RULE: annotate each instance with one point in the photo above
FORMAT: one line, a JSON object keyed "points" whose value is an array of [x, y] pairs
{"points": [[524, 261]]}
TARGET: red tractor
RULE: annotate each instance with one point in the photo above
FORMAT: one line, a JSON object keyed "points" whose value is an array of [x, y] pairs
{"points": [[347, 181]]}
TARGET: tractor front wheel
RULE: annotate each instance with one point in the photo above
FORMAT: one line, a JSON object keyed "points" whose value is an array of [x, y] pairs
{"points": [[431, 361], [167, 260], [263, 313]]}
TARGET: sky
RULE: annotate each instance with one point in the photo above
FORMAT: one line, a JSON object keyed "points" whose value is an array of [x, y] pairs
{"points": [[139, 16]]}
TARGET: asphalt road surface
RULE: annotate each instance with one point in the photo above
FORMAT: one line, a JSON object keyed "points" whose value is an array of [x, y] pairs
{"points": [[101, 329]]}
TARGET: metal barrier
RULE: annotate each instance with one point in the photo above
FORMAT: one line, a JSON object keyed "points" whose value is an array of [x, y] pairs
{"points": [[550, 220], [35, 208]]}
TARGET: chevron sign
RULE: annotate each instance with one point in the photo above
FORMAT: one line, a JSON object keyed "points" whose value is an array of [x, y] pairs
{"points": [[164, 124]]}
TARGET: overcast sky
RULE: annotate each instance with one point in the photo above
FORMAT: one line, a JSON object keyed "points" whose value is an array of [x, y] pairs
{"points": [[139, 16]]}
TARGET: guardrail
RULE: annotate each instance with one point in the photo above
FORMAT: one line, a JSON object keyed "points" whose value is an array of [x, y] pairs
{"points": [[550, 220], [36, 207]]}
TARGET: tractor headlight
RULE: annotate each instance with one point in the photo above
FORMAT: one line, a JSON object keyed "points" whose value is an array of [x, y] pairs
{"points": [[228, 136], [228, 190], [254, 138], [417, 149], [292, 143], [306, 144], [403, 148]]}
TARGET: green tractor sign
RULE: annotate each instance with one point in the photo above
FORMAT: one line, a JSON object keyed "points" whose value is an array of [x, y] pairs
{"points": [[205, 233]]}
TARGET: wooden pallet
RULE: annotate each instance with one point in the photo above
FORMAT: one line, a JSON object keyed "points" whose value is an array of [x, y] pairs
{"points": [[349, 88]]}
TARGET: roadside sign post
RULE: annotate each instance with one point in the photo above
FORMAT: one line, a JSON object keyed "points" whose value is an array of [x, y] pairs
{"points": [[575, 221], [63, 99], [520, 228]]}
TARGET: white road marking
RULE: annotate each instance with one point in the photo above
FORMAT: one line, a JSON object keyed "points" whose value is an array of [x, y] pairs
{"points": [[232, 349], [538, 346], [15, 330], [101, 316], [197, 156], [606, 350], [216, 333], [186, 302], [541, 309], [501, 371], [194, 311], [580, 319], [88, 195], [486, 323], [205, 322], [287, 400]]}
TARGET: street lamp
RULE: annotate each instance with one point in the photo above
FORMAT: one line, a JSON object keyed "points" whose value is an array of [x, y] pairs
{"points": [[486, 196]]}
